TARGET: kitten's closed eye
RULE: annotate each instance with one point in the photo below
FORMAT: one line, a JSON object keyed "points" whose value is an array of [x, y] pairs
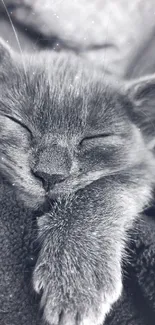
{"points": [[18, 121], [94, 138]]}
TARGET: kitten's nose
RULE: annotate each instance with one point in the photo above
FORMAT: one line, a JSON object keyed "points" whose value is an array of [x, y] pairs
{"points": [[49, 180]]}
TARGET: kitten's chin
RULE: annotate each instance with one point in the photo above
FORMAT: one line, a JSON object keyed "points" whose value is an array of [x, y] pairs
{"points": [[31, 200]]}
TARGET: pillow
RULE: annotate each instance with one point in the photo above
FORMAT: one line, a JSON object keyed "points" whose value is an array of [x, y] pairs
{"points": [[109, 33]]}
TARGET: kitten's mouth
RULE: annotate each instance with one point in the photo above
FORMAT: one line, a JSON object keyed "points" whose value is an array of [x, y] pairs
{"points": [[62, 189], [73, 184]]}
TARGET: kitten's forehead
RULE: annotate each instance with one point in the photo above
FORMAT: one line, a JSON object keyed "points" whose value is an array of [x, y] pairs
{"points": [[75, 97], [62, 95]]}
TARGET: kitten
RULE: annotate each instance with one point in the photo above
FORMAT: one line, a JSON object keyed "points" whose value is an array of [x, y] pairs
{"points": [[81, 147]]}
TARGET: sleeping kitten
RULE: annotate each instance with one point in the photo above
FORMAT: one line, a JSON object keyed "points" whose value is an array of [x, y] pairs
{"points": [[82, 148]]}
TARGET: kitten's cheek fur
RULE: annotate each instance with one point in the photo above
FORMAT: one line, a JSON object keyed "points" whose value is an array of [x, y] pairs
{"points": [[32, 201]]}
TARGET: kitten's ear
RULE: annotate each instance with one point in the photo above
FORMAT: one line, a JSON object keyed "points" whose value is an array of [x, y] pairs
{"points": [[141, 92], [5, 53]]}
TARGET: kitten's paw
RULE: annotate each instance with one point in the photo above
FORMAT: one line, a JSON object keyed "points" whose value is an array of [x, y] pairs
{"points": [[79, 283], [76, 316], [80, 315], [73, 304]]}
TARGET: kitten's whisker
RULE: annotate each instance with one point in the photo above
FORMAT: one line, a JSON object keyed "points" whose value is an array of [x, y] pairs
{"points": [[16, 36]]}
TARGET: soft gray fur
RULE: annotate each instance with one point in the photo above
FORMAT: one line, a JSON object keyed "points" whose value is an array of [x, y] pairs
{"points": [[80, 147]]}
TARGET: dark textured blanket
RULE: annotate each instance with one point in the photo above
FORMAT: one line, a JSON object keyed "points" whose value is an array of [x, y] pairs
{"points": [[137, 304], [18, 304]]}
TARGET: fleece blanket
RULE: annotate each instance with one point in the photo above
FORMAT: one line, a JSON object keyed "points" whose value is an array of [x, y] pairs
{"points": [[18, 305], [137, 304]]}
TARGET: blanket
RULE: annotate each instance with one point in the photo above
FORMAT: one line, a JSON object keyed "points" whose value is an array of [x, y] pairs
{"points": [[18, 305], [137, 304]]}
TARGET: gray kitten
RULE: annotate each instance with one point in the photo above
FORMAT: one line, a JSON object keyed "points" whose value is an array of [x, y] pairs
{"points": [[81, 147]]}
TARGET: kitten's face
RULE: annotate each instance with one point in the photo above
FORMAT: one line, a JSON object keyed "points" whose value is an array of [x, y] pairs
{"points": [[63, 128]]}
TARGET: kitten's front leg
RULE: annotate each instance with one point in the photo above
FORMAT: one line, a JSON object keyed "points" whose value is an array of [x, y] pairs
{"points": [[82, 240]]}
